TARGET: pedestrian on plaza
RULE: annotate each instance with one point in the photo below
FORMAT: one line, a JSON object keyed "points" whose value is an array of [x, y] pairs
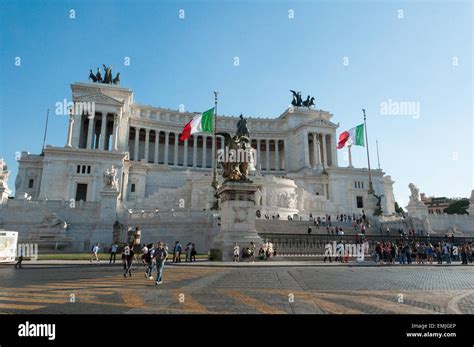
{"points": [[113, 252], [439, 254], [21, 254], [328, 252], [130, 255], [379, 251], [463, 255], [236, 252], [187, 250], [252, 250], [177, 252], [144, 253], [193, 252], [339, 251], [309, 230], [149, 262], [469, 252], [429, 253], [160, 256], [95, 250], [125, 252]]}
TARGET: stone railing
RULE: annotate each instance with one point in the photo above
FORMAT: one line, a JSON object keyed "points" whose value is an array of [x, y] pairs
{"points": [[314, 245]]}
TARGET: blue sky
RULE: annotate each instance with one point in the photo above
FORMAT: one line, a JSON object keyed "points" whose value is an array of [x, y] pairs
{"points": [[177, 61]]}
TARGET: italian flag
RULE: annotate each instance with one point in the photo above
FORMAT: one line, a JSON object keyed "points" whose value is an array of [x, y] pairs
{"points": [[203, 123], [354, 136]]}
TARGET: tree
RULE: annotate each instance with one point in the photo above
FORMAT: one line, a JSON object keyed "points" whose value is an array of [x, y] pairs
{"points": [[398, 209], [458, 207]]}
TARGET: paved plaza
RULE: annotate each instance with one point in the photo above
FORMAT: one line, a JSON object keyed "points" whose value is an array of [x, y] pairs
{"points": [[100, 288]]}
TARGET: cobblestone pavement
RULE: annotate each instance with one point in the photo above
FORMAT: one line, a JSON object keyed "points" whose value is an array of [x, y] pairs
{"points": [[98, 288]]}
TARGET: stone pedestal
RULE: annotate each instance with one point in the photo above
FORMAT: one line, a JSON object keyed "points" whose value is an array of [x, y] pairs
{"points": [[108, 206], [238, 208], [417, 209]]}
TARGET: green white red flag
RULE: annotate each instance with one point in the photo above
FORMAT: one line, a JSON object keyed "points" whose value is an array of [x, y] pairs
{"points": [[203, 123], [352, 137]]}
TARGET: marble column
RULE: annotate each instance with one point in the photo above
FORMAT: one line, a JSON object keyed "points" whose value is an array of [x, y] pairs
{"points": [[204, 151], [167, 145], [267, 154], [103, 130], [137, 144], [334, 151], [157, 146], [147, 144], [176, 148], [277, 156], [90, 130], [195, 137], [325, 158], [259, 155], [315, 150], [185, 154], [70, 130], [116, 132]]}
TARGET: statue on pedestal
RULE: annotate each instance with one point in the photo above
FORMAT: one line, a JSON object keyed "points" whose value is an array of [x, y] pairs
{"points": [[110, 179], [378, 207], [415, 194], [236, 162]]}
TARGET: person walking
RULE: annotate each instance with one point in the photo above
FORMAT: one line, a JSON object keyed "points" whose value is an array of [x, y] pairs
{"points": [[328, 252], [193, 252], [21, 254], [125, 252], [149, 262], [309, 230], [113, 252], [130, 255], [187, 250], [160, 256], [95, 250], [236, 252], [177, 252], [253, 249], [464, 255]]}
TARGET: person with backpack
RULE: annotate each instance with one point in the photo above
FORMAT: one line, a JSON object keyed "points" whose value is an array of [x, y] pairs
{"points": [[160, 256], [177, 252], [149, 262], [193, 252], [95, 250], [130, 255]]}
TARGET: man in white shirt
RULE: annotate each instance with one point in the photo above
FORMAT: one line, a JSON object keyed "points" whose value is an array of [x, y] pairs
{"points": [[95, 250], [113, 252], [236, 252]]}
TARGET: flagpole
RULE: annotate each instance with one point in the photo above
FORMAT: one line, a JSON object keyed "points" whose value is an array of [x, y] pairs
{"points": [[350, 155], [45, 131], [215, 184], [371, 188]]}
